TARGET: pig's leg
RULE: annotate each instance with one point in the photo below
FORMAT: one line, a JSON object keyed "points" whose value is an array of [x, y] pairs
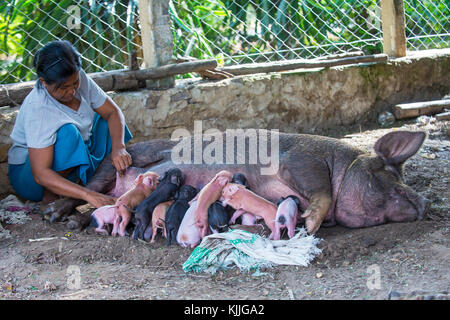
{"points": [[276, 234], [236, 215], [310, 177], [317, 211], [100, 182], [154, 230], [100, 228], [164, 231], [125, 215], [148, 232], [291, 230], [102, 231], [148, 153], [116, 222], [248, 219]]}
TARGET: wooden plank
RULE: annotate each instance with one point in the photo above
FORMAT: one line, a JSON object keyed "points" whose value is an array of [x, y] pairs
{"points": [[157, 40], [14, 94], [411, 110], [443, 116], [148, 43], [299, 64]]}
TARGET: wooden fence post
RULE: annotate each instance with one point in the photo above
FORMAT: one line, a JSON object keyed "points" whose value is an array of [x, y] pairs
{"points": [[157, 40], [393, 25]]}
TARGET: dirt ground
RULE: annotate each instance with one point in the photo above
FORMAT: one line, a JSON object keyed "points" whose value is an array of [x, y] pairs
{"points": [[355, 263]]}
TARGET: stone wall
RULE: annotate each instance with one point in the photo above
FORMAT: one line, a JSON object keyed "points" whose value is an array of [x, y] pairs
{"points": [[308, 101], [297, 101]]}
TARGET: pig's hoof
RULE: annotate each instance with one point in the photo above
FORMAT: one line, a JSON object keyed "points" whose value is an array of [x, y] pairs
{"points": [[60, 209], [312, 225], [313, 220]]}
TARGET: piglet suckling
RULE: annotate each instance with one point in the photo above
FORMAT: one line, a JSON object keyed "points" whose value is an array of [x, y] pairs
{"points": [[177, 211], [217, 217], [188, 234], [244, 200], [158, 219], [210, 193], [247, 219], [286, 217], [167, 186], [145, 184], [101, 218]]}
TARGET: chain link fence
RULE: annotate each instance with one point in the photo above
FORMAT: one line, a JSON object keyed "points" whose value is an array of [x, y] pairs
{"points": [[427, 24], [246, 31], [105, 32]]}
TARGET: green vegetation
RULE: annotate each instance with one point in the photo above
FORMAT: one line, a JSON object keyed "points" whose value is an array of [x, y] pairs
{"points": [[104, 37]]}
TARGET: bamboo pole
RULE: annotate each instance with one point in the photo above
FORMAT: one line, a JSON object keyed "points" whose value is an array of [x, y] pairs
{"points": [[300, 63]]}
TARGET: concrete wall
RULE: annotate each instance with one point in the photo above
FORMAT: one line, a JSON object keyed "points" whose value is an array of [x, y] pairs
{"points": [[302, 101]]}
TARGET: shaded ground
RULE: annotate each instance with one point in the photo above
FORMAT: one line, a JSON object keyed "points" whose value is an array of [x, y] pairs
{"points": [[406, 256]]}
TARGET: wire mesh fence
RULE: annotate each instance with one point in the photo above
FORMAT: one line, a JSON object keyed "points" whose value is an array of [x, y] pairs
{"points": [[246, 31], [427, 24], [231, 31], [104, 32]]}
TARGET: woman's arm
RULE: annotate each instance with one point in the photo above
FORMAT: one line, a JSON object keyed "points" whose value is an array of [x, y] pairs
{"points": [[41, 161], [109, 111]]}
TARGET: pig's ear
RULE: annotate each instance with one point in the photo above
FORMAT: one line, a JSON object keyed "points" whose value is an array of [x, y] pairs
{"points": [[396, 147], [223, 181], [296, 200], [163, 177], [139, 179], [280, 201]]}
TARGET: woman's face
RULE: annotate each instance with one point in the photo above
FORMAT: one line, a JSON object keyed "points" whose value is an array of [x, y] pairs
{"points": [[65, 92]]}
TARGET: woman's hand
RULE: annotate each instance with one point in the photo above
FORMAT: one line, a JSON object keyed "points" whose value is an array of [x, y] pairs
{"points": [[120, 158], [99, 200]]}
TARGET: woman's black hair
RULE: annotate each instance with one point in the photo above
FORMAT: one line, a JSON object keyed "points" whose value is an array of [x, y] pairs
{"points": [[56, 61]]}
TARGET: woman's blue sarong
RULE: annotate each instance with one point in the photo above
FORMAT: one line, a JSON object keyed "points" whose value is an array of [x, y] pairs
{"points": [[70, 151]]}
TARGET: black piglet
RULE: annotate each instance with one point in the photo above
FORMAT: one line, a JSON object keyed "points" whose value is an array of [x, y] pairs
{"points": [[177, 210]]}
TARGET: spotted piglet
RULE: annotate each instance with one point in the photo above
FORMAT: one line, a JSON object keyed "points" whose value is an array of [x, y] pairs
{"points": [[286, 216]]}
